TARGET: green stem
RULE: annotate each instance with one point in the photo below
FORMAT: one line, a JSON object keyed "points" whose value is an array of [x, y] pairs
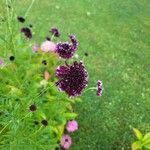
{"points": [[29, 8]]}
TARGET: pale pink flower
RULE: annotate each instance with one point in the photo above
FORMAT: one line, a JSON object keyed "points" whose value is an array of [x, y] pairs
{"points": [[72, 126], [1, 62], [48, 46], [66, 141], [47, 75], [35, 48]]}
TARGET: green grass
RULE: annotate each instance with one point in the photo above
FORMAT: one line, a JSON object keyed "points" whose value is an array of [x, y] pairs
{"points": [[116, 37]]}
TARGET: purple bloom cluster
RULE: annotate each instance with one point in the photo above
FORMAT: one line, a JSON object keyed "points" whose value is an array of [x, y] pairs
{"points": [[27, 32], [99, 88], [55, 32], [66, 50], [72, 78]]}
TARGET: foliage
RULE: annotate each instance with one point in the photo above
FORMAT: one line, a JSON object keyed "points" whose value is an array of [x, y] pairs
{"points": [[143, 142], [22, 84]]}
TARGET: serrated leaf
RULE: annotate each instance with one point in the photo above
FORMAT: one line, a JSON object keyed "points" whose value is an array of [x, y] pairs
{"points": [[138, 133]]}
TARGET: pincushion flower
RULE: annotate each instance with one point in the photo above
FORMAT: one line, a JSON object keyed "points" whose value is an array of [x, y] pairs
{"points": [[55, 32], [35, 48], [72, 78], [99, 88], [27, 32], [1, 62], [66, 50], [48, 46], [72, 126], [66, 141]]}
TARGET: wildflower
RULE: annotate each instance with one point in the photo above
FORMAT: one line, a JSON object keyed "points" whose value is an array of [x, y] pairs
{"points": [[44, 62], [48, 46], [32, 107], [27, 32], [30, 25], [72, 78], [35, 48], [36, 122], [55, 32], [72, 126], [12, 58], [99, 88], [21, 19], [66, 141], [46, 75], [65, 49], [1, 62], [48, 38], [44, 122], [86, 54]]}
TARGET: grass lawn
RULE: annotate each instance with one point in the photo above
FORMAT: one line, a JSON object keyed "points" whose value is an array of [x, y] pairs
{"points": [[115, 34]]}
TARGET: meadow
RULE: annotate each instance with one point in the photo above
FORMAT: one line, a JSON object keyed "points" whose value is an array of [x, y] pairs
{"points": [[114, 39]]}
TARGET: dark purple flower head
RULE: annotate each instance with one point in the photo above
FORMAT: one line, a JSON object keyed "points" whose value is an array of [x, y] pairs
{"points": [[55, 32], [74, 41], [99, 88], [21, 19], [72, 78], [27, 32], [66, 50]]}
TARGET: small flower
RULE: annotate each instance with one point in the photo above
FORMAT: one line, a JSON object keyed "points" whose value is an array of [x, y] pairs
{"points": [[48, 46], [36, 122], [30, 25], [72, 126], [27, 32], [1, 62], [74, 41], [35, 48], [72, 78], [66, 141], [21, 19], [12, 58], [46, 75], [55, 32], [44, 122], [48, 38], [66, 50], [86, 54], [32, 107], [99, 88], [44, 62]]}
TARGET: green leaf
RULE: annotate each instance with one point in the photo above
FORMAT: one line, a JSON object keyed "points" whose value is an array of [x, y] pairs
{"points": [[70, 116], [147, 146], [136, 145], [138, 133], [146, 139]]}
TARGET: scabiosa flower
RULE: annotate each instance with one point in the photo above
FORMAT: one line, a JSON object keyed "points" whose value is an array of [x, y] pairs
{"points": [[48, 46], [72, 126], [44, 122], [66, 50], [74, 41], [1, 62], [35, 48], [32, 107], [55, 32], [66, 141], [99, 88], [21, 19], [27, 32], [72, 78]]}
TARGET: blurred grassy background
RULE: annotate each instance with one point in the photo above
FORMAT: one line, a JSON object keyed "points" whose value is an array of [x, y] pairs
{"points": [[116, 35]]}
